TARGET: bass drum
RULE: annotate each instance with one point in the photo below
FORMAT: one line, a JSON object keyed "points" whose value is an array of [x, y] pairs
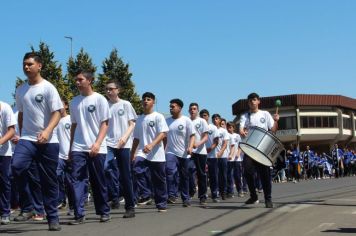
{"points": [[262, 146]]}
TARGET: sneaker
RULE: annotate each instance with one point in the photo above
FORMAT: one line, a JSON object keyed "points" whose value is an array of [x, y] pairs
{"points": [[77, 221], [172, 200], [223, 196], [38, 217], [61, 205], [203, 202], [105, 218], [192, 194], [5, 220], [115, 204], [144, 201], [252, 201], [129, 213], [122, 200], [215, 200], [269, 204], [23, 216], [241, 194], [260, 190], [186, 204], [162, 209], [54, 227]]}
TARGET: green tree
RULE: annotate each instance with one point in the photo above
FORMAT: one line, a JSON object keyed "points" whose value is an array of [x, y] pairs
{"points": [[52, 71], [82, 62], [114, 68]]}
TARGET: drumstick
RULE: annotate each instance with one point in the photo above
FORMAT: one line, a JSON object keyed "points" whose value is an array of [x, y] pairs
{"points": [[278, 103]]}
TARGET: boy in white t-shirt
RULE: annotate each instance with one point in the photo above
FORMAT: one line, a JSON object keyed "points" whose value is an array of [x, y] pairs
{"points": [[39, 105], [148, 152], [199, 154], [63, 133], [211, 144], [7, 130], [232, 160], [179, 146], [90, 116], [221, 154], [262, 119], [119, 141]]}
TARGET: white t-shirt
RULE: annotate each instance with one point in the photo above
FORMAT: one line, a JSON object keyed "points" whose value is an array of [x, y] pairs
{"points": [[237, 139], [63, 133], [201, 126], [262, 119], [37, 102], [147, 128], [121, 113], [88, 112], [7, 119], [223, 136], [212, 134], [178, 137]]}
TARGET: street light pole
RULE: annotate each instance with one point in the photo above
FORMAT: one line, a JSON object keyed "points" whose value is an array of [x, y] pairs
{"points": [[71, 45]]}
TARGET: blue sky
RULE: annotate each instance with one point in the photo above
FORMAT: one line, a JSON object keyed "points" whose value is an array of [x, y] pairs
{"points": [[210, 52]]}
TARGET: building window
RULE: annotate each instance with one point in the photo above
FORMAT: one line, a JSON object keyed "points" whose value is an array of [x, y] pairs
{"points": [[318, 122], [285, 123], [346, 123]]}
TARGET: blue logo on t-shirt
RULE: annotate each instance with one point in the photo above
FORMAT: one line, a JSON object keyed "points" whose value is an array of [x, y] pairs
{"points": [[121, 112], [67, 126], [221, 136], [210, 132], [39, 98], [263, 120], [180, 127], [151, 123], [91, 108], [197, 126]]}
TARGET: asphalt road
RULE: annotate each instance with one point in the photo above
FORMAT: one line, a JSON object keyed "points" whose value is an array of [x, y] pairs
{"points": [[316, 207]]}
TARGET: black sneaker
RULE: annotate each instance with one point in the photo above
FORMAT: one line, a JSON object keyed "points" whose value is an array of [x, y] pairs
{"points": [[203, 202], [105, 218], [144, 201], [54, 227], [269, 204], [162, 209], [23, 216], [115, 204], [129, 213], [77, 221], [172, 200], [186, 204], [252, 201]]}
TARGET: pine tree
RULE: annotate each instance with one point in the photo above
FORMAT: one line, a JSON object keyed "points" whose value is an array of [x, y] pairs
{"points": [[82, 62], [114, 68], [52, 72]]}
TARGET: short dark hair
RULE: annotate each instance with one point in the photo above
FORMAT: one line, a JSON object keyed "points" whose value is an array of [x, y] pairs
{"points": [[223, 119], [204, 111], [231, 124], [87, 74], [216, 116], [148, 95], [194, 104], [252, 96], [35, 55], [177, 101], [113, 81]]}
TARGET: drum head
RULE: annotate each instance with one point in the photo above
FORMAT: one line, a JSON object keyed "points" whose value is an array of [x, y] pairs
{"points": [[255, 154]]}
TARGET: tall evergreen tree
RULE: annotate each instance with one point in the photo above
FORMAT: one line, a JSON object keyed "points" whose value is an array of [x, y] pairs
{"points": [[52, 72], [82, 62], [114, 68]]}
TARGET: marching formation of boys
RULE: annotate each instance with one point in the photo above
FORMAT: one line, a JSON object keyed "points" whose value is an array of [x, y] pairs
{"points": [[104, 146], [309, 164]]}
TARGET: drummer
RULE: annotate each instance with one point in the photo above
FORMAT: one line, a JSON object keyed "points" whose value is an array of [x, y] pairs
{"points": [[262, 119]]}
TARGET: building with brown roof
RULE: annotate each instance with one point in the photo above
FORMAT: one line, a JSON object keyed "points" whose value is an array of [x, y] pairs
{"points": [[309, 119]]}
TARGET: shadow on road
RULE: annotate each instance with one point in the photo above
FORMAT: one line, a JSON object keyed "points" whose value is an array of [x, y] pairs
{"points": [[341, 230]]}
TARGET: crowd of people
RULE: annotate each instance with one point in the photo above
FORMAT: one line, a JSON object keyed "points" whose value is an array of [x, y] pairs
{"points": [[309, 164], [52, 159]]}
